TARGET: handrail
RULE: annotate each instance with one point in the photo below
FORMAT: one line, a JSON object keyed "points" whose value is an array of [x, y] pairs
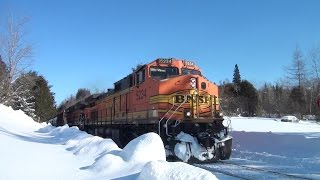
{"points": [[185, 100], [159, 124]]}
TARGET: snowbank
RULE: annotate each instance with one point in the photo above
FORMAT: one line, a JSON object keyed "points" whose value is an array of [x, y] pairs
{"points": [[39, 151], [173, 170], [30, 150], [131, 159], [17, 120], [146, 147]]}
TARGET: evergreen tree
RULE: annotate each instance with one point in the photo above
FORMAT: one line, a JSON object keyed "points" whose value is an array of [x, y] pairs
{"points": [[297, 101], [228, 99], [236, 75], [24, 99], [44, 100], [249, 98], [244, 102], [33, 96]]}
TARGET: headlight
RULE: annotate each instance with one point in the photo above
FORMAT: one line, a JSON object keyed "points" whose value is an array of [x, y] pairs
{"points": [[187, 113]]}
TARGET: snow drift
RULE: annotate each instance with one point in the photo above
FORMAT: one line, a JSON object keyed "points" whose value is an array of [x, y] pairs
{"points": [[40, 151]]}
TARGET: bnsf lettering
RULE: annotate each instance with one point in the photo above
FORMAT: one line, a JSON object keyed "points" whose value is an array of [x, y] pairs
{"points": [[181, 99], [188, 63]]}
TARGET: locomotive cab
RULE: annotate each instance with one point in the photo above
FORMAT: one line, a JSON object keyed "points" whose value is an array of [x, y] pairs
{"points": [[188, 105]]}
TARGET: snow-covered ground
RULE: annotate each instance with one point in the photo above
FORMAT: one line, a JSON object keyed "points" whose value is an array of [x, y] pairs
{"points": [[39, 151], [287, 147]]}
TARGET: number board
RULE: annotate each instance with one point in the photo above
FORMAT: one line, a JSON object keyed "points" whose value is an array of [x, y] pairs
{"points": [[188, 63], [165, 61]]}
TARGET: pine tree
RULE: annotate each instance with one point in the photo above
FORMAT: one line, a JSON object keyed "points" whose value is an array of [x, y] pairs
{"points": [[33, 96], [23, 98], [236, 75], [249, 97], [25, 102], [228, 99], [297, 101], [44, 100]]}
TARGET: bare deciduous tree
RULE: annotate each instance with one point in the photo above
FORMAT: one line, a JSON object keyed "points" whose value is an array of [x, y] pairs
{"points": [[16, 53], [315, 62], [297, 70]]}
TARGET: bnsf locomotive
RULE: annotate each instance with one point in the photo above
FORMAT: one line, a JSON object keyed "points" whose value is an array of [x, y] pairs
{"points": [[168, 96]]}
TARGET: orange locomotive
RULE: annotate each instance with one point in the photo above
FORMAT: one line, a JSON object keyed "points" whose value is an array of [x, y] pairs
{"points": [[167, 96]]}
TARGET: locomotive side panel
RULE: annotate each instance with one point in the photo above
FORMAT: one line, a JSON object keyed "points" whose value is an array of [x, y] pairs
{"points": [[140, 110]]}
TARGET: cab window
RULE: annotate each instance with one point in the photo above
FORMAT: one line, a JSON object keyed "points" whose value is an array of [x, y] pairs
{"points": [[140, 76], [190, 71], [163, 72]]}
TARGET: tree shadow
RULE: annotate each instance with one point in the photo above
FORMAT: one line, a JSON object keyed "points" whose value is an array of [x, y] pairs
{"points": [[50, 137]]}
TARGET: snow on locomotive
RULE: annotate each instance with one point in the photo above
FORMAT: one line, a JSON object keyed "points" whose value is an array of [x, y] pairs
{"points": [[168, 96]]}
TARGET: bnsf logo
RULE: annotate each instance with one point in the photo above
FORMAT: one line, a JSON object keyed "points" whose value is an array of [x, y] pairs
{"points": [[190, 98]]}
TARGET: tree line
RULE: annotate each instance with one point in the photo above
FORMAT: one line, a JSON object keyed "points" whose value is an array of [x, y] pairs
{"points": [[295, 94], [20, 88]]}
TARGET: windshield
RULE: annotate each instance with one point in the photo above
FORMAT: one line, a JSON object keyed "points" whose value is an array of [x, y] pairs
{"points": [[163, 72], [190, 71]]}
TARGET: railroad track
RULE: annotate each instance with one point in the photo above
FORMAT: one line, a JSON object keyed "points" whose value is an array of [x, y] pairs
{"points": [[247, 173]]}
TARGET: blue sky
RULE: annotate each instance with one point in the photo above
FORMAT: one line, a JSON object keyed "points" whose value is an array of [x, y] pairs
{"points": [[94, 43]]}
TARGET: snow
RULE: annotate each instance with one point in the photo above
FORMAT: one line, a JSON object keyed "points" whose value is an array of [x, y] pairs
{"points": [[173, 170], [195, 149], [289, 118], [274, 125], [288, 147], [30, 150]]}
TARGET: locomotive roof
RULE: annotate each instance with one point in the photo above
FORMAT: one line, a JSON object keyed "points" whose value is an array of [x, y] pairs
{"points": [[174, 62]]}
